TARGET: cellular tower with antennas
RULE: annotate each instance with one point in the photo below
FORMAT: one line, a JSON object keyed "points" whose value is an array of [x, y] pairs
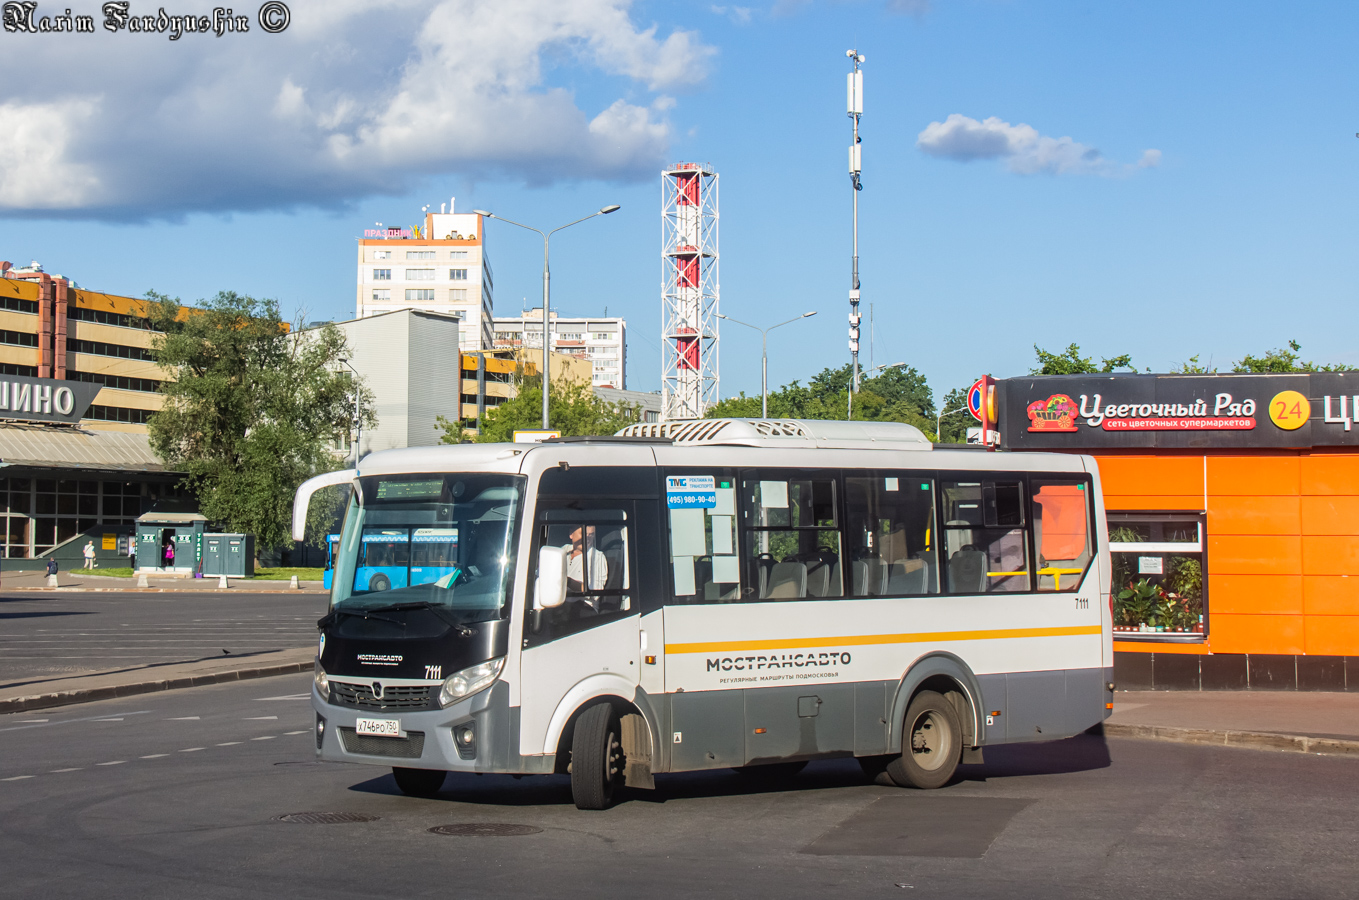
{"points": [[689, 291]]}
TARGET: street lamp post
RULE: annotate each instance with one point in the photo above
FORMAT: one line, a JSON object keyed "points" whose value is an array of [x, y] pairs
{"points": [[939, 420], [546, 344], [358, 421], [764, 356]]}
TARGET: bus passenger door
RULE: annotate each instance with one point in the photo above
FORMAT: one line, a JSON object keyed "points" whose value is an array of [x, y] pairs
{"points": [[589, 645]]}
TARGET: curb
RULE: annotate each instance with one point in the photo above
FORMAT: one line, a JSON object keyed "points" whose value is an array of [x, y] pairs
{"points": [[1256, 740], [87, 695]]}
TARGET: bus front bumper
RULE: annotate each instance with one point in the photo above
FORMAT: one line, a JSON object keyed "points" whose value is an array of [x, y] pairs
{"points": [[477, 734]]}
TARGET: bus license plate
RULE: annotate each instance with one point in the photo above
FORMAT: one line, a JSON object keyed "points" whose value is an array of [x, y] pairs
{"points": [[378, 727]]}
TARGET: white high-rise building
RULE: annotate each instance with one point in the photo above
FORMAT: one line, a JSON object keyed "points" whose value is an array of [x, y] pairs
{"points": [[601, 341], [440, 266]]}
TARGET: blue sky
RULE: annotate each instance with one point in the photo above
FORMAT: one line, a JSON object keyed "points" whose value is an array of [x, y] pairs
{"points": [[252, 162]]}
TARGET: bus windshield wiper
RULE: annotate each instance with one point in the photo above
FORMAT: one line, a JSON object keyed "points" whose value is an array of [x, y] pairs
{"points": [[361, 613], [432, 607]]}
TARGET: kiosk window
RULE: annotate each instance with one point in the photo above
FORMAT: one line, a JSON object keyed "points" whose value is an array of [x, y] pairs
{"points": [[890, 537], [1158, 585], [985, 544]]}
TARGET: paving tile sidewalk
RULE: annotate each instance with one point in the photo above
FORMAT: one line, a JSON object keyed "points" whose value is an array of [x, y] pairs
{"points": [[149, 679], [1299, 721]]}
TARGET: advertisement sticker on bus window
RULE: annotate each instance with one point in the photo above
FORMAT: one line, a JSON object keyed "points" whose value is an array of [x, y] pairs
{"points": [[774, 494], [690, 491]]}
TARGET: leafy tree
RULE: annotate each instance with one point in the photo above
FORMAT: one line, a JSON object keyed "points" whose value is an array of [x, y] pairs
{"points": [[573, 409], [897, 395], [1281, 361], [956, 419], [1070, 362], [452, 431], [251, 407]]}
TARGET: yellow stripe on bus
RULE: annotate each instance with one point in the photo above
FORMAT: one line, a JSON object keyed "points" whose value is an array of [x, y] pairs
{"points": [[862, 639]]}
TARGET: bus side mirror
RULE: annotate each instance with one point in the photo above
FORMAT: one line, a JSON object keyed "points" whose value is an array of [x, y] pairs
{"points": [[550, 590]]}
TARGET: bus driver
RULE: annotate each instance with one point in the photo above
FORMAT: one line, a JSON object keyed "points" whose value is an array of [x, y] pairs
{"points": [[585, 558]]}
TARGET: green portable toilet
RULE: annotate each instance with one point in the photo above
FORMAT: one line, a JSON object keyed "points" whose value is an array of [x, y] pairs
{"points": [[232, 555], [157, 530]]}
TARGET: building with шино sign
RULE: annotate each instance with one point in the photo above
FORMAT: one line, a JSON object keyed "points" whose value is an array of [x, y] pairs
{"points": [[1233, 513], [77, 387]]}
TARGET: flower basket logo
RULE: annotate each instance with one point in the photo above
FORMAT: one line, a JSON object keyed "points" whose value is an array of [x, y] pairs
{"points": [[1057, 413]]}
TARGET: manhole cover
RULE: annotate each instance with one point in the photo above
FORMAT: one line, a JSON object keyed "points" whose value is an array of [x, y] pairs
{"points": [[324, 818], [485, 829]]}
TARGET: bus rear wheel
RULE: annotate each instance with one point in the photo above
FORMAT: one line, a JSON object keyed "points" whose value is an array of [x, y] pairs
{"points": [[931, 743], [419, 782], [596, 758]]}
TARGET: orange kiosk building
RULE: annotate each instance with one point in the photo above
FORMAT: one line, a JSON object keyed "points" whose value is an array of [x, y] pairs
{"points": [[1233, 506]]}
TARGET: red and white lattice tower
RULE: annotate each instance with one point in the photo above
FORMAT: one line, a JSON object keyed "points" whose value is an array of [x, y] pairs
{"points": [[689, 291]]}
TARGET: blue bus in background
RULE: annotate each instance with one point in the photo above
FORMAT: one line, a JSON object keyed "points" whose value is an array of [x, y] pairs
{"points": [[398, 557], [331, 541]]}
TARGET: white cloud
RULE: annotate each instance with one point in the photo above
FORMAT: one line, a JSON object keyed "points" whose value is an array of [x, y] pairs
{"points": [[1024, 150], [739, 15], [354, 98]]}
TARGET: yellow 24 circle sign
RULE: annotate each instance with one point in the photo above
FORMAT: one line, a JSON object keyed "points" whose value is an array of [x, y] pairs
{"points": [[1289, 410]]}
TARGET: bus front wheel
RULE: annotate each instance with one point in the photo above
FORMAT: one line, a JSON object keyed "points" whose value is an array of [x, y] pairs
{"points": [[419, 782], [596, 758], [931, 743]]}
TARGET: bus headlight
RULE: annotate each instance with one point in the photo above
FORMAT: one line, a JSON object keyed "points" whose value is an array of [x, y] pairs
{"points": [[469, 681], [322, 682]]}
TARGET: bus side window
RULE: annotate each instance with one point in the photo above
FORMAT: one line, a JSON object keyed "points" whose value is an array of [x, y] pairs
{"points": [[792, 535], [704, 565], [1061, 532], [890, 535], [985, 543], [598, 571]]}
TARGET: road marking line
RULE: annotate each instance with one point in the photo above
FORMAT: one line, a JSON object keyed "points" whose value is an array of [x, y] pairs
{"points": [[267, 737], [154, 756], [30, 721], [193, 749], [116, 762], [303, 731], [183, 719], [119, 719], [16, 778], [229, 744], [288, 697], [258, 718], [140, 712], [76, 769]]}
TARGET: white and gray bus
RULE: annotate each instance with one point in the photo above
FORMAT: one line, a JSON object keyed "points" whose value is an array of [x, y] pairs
{"points": [[696, 595]]}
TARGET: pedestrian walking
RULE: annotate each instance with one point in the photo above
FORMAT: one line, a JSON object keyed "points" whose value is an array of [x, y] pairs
{"points": [[170, 555], [89, 555], [51, 571]]}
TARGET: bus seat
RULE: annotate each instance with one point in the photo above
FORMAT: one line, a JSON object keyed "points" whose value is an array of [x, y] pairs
{"points": [[967, 572], [906, 577], [787, 581], [870, 577], [818, 579]]}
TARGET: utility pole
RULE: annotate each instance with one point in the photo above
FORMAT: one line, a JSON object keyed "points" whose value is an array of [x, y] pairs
{"points": [[855, 104]]}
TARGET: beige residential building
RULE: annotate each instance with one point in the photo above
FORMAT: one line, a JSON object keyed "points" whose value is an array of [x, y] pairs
{"points": [[439, 266]]}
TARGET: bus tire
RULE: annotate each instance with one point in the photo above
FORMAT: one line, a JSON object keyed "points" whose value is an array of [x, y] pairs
{"points": [[772, 771], [379, 583], [931, 743], [596, 758], [419, 782]]}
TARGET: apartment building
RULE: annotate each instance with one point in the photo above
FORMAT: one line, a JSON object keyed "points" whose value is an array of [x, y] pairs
{"points": [[600, 342], [439, 266]]}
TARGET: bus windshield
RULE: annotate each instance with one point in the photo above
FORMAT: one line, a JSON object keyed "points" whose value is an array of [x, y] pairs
{"points": [[446, 540]]}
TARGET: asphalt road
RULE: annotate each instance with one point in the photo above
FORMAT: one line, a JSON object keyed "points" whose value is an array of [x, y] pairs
{"points": [[174, 795], [63, 634]]}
